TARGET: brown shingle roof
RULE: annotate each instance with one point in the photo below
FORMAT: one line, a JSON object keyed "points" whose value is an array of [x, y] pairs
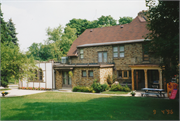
{"points": [[132, 31]]}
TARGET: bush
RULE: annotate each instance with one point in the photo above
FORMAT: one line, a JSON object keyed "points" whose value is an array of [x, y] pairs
{"points": [[115, 87], [82, 89], [105, 87], [97, 86]]}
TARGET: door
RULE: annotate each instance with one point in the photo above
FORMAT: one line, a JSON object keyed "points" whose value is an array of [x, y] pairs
{"points": [[67, 82]]}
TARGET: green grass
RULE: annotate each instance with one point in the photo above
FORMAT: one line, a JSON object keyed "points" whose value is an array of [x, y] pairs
{"points": [[114, 92], [78, 106], [4, 89]]}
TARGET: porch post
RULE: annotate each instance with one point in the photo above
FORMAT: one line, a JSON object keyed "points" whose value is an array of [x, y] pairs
{"points": [[146, 81], [132, 71], [137, 79], [160, 78]]}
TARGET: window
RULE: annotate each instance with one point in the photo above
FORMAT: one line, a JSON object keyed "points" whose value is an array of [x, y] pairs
{"points": [[120, 74], [83, 73], [145, 53], [124, 74], [102, 57], [90, 73], [121, 51], [118, 51], [115, 52], [81, 54], [38, 75]]}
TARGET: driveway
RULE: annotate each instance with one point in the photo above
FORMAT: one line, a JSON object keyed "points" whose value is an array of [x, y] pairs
{"points": [[19, 92]]}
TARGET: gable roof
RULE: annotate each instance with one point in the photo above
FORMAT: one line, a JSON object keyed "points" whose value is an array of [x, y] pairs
{"points": [[132, 31]]}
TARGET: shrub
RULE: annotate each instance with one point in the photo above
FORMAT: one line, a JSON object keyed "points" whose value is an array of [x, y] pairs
{"points": [[115, 87], [127, 89], [82, 89], [105, 87], [97, 86], [109, 80]]}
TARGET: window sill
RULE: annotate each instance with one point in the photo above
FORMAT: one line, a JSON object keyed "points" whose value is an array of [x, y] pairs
{"points": [[118, 58]]}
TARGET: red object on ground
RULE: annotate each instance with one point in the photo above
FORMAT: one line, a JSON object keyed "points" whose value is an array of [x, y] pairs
{"points": [[173, 94]]}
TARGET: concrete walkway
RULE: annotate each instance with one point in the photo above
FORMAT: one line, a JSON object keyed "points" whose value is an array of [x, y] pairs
{"points": [[18, 92]]}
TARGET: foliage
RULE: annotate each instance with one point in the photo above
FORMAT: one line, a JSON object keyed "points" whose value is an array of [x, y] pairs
{"points": [[5, 32], [105, 87], [133, 92], [70, 73], [109, 79], [164, 34], [14, 64], [80, 25], [106, 20], [34, 88], [12, 33], [82, 89], [97, 86], [118, 87], [125, 20], [56, 46]]}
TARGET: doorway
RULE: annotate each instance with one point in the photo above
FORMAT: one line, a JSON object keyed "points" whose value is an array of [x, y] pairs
{"points": [[67, 81]]}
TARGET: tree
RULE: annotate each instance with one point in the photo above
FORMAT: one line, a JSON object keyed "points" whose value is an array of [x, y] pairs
{"points": [[106, 20], [125, 20], [34, 50], [164, 34], [80, 24], [5, 37], [12, 30], [14, 64], [54, 34]]}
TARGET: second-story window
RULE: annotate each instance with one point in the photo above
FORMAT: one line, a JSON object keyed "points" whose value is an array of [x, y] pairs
{"points": [[121, 51], [102, 57], [118, 51], [81, 53], [115, 52]]}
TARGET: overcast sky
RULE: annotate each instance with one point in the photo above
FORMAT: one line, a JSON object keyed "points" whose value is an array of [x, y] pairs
{"points": [[33, 17]]}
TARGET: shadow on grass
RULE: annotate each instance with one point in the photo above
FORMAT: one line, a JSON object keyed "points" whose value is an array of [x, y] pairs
{"points": [[103, 108]]}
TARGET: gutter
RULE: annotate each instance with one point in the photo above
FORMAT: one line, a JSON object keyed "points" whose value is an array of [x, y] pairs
{"points": [[112, 43]]}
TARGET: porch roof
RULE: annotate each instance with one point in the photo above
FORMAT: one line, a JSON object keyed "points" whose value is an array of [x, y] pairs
{"points": [[67, 66], [145, 66]]}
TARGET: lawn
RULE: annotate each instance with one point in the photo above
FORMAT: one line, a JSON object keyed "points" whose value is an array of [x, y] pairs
{"points": [[114, 92], [78, 106], [5, 89]]}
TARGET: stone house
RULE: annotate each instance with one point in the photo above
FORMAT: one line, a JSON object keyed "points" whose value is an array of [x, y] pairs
{"points": [[115, 50]]}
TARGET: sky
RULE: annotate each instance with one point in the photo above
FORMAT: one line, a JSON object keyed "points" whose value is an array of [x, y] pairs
{"points": [[33, 17]]}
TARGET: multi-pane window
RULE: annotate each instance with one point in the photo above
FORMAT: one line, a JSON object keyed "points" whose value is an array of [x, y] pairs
{"points": [[81, 53], [102, 57], [145, 54], [118, 51], [90, 73], [115, 52], [124, 74], [83, 73], [121, 51], [38, 75]]}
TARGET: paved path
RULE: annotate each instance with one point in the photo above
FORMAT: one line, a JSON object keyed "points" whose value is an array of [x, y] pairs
{"points": [[19, 92]]}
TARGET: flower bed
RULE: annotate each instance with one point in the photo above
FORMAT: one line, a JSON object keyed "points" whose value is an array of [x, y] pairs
{"points": [[34, 88]]}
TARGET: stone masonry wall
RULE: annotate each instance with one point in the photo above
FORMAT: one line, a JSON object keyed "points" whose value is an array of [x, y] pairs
{"points": [[59, 80], [91, 54], [84, 81], [104, 72]]}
